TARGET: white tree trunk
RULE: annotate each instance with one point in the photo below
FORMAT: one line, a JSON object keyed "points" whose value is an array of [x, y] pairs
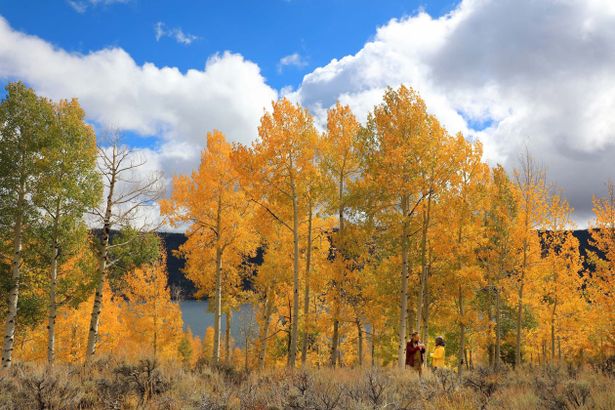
{"points": [[306, 294], [401, 353], [9, 334], [218, 308], [102, 271], [51, 336], [292, 355]]}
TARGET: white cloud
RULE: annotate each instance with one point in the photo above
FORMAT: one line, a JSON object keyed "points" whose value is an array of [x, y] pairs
{"points": [[228, 94], [160, 31], [540, 73], [294, 59], [81, 6]]}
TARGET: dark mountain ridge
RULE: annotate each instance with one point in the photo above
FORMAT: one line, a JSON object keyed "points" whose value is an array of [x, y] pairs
{"points": [[179, 283]]}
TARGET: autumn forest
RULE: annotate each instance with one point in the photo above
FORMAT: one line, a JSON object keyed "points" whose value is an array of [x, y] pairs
{"points": [[369, 232]]}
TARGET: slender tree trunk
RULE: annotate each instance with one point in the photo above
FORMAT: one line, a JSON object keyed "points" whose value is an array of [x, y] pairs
{"points": [[218, 308], [426, 312], [518, 329], [11, 318], [462, 328], [373, 346], [359, 342], [102, 270], [227, 338], [498, 330], [51, 336], [520, 301], [95, 317], [155, 322], [491, 341], [462, 337], [295, 319], [339, 352], [553, 332], [336, 338], [420, 317], [267, 308], [52, 289], [401, 352], [306, 294]]}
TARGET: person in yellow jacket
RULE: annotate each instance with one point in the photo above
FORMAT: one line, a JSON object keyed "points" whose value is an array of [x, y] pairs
{"points": [[437, 356]]}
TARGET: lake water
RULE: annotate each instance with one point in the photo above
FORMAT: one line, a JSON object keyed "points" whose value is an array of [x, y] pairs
{"points": [[197, 317]]}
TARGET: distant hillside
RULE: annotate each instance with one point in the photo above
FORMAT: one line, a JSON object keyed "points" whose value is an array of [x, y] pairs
{"points": [[178, 281], [175, 265]]}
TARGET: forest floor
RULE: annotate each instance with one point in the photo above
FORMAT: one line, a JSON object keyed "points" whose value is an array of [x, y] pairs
{"points": [[109, 384]]}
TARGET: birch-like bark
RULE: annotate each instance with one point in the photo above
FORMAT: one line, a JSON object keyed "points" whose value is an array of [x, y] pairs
{"points": [[306, 294], [11, 318], [520, 309], [292, 355], [424, 271], [498, 330], [52, 306], [103, 257], [227, 338], [336, 324], [335, 340], [401, 353], [218, 308], [553, 331], [359, 342], [267, 309], [462, 337]]}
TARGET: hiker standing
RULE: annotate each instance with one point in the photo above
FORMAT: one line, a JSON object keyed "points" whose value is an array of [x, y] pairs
{"points": [[414, 353], [437, 356]]}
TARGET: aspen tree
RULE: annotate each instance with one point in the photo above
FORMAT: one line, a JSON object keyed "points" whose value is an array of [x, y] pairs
{"points": [[531, 192], [396, 134], [218, 214], [274, 173], [341, 162], [125, 194], [25, 131], [73, 186]]}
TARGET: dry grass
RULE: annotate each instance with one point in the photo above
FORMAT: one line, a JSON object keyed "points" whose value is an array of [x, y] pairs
{"points": [[108, 384]]}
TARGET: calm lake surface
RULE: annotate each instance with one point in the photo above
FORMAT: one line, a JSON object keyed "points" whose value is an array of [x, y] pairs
{"points": [[197, 317]]}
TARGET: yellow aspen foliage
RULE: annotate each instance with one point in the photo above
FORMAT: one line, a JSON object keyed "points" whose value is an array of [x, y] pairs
{"points": [[220, 231], [275, 173], [531, 199], [153, 320], [602, 280], [555, 289], [208, 342]]}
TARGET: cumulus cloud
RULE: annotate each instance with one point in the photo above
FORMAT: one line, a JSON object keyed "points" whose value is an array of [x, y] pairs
{"points": [[176, 33], [512, 73], [294, 59], [228, 94]]}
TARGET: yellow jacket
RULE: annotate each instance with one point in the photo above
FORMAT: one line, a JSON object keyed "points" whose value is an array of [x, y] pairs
{"points": [[437, 357]]}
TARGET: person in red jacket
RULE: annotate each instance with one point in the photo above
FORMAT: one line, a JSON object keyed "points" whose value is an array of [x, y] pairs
{"points": [[414, 353]]}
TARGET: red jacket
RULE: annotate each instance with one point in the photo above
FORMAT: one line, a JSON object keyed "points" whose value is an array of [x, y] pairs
{"points": [[411, 349]]}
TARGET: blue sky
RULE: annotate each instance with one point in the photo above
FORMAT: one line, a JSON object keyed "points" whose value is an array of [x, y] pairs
{"points": [[263, 31], [512, 74]]}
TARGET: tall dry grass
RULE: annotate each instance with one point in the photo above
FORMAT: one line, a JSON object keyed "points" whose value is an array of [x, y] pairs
{"points": [[110, 384]]}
